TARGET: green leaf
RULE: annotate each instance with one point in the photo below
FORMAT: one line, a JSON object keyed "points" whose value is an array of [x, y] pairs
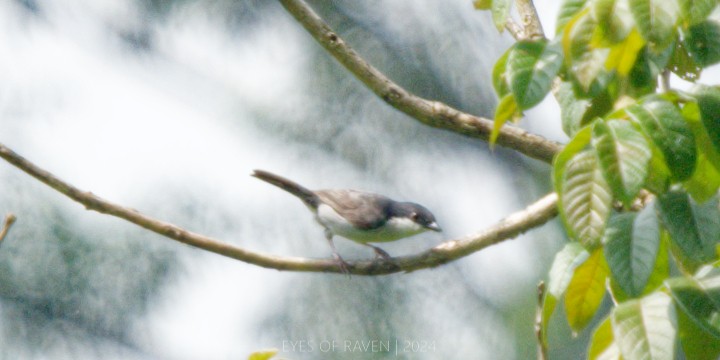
{"points": [[578, 143], [572, 109], [697, 344], [645, 328], [614, 21], [707, 217], [561, 272], [657, 278], [693, 228], [662, 264], [695, 11], [656, 21], [663, 122], [691, 113], [588, 71], [616, 292], [682, 64], [560, 164], [703, 43], [624, 156], [482, 4], [659, 59], [500, 11], [568, 9], [586, 291], [499, 75], [705, 182], [659, 175], [531, 67], [602, 345], [631, 248], [506, 110], [601, 102], [263, 354], [563, 267], [693, 299], [585, 199], [643, 76], [623, 55], [584, 61], [709, 278], [618, 241]]}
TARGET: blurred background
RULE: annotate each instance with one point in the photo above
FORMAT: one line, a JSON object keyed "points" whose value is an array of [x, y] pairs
{"points": [[167, 107]]}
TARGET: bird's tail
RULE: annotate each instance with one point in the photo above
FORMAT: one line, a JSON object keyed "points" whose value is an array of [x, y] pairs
{"points": [[307, 196]]}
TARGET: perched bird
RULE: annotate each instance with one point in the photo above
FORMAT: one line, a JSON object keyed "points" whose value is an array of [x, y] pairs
{"points": [[359, 216]]}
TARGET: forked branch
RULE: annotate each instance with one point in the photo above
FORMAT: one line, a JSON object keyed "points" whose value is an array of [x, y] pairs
{"points": [[534, 215], [431, 113]]}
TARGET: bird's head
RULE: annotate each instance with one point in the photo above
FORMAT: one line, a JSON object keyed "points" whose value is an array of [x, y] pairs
{"points": [[417, 213]]}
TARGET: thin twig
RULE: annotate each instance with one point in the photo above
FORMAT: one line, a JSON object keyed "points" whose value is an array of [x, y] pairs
{"points": [[539, 330], [431, 113], [664, 81], [9, 221], [533, 216]]}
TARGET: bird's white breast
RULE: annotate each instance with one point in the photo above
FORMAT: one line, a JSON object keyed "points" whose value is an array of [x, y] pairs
{"points": [[394, 229]]}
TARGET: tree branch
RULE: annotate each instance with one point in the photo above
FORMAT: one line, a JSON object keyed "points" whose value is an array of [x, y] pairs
{"points": [[532, 28], [431, 113], [539, 329], [534, 215], [664, 81], [515, 30], [9, 221]]}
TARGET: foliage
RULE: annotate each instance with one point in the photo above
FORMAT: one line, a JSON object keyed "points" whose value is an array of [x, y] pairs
{"points": [[263, 354], [638, 180]]}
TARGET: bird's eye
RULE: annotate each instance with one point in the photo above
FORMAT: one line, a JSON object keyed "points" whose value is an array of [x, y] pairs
{"points": [[414, 216]]}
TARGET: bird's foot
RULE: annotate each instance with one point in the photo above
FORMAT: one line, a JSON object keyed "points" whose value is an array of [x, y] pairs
{"points": [[342, 264]]}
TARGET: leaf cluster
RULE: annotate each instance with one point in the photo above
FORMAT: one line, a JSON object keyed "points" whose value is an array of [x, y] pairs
{"points": [[638, 180]]}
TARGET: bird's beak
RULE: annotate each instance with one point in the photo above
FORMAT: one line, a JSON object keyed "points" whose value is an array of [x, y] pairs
{"points": [[433, 226]]}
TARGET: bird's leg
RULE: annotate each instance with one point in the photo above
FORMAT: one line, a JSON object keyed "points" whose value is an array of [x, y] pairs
{"points": [[380, 252], [341, 262]]}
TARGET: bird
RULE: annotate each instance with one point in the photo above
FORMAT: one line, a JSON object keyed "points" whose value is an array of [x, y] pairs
{"points": [[362, 217]]}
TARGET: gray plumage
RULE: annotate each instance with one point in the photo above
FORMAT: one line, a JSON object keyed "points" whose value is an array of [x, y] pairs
{"points": [[359, 216], [364, 210]]}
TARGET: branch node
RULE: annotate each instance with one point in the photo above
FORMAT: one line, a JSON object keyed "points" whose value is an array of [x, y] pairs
{"points": [[174, 232], [393, 94]]}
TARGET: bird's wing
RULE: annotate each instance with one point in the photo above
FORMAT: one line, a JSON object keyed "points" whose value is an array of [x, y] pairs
{"points": [[363, 210]]}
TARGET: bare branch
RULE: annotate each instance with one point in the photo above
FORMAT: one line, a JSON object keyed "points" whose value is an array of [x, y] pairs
{"points": [[515, 30], [539, 330], [431, 113], [534, 215], [9, 221], [532, 28]]}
